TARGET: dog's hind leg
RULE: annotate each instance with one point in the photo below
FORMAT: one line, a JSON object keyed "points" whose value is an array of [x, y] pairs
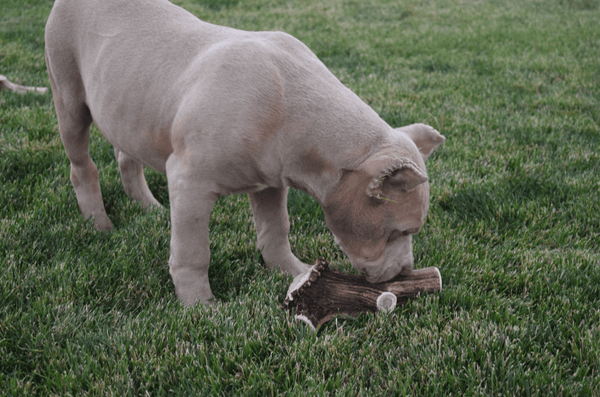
{"points": [[269, 207], [134, 182], [74, 120]]}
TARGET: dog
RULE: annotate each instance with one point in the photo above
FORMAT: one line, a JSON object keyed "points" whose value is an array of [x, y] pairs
{"points": [[224, 111]]}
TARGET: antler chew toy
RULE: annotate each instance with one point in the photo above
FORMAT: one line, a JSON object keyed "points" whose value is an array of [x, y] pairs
{"points": [[320, 294]]}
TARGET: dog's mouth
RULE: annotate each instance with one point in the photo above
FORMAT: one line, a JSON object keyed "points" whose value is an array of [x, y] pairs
{"points": [[374, 270], [380, 272]]}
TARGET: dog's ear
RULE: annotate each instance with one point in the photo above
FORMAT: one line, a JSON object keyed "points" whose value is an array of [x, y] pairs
{"points": [[424, 136], [393, 173]]}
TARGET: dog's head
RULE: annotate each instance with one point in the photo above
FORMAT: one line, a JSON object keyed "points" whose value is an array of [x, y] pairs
{"points": [[377, 207]]}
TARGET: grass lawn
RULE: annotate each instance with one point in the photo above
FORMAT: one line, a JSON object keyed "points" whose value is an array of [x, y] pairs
{"points": [[514, 224]]}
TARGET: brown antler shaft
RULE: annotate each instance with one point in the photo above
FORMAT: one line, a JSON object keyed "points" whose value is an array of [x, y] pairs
{"points": [[323, 293]]}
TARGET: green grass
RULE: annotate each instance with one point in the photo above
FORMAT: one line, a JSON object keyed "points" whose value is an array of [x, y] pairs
{"points": [[514, 224]]}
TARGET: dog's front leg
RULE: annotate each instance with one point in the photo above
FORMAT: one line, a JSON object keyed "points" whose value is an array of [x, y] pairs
{"points": [[191, 204], [269, 207]]}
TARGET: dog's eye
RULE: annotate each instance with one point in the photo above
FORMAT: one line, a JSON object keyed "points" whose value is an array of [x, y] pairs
{"points": [[395, 235]]}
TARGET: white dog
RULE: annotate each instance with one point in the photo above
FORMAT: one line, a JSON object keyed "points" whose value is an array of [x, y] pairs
{"points": [[223, 111]]}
